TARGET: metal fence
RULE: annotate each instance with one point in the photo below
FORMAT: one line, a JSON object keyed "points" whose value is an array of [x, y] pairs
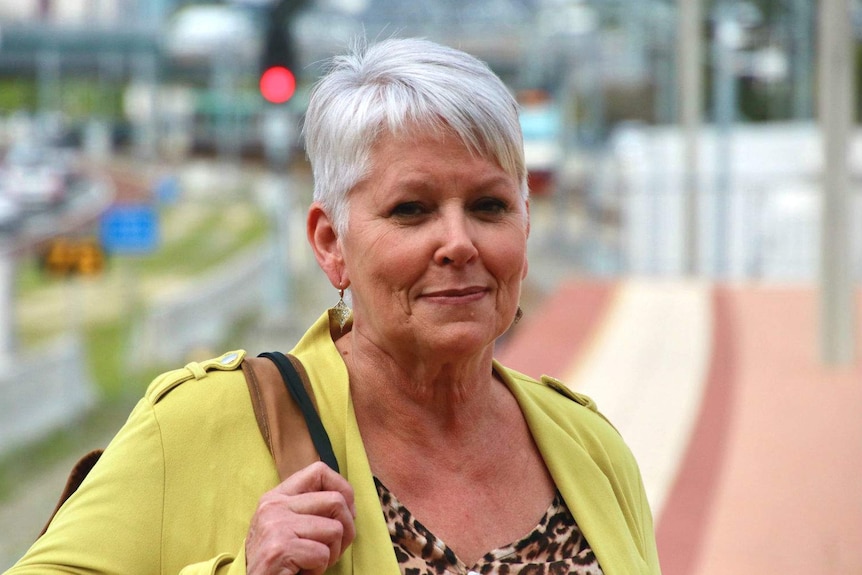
{"points": [[43, 390], [176, 325], [758, 214]]}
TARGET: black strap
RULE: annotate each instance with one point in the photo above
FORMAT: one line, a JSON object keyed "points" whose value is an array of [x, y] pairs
{"points": [[294, 386]]}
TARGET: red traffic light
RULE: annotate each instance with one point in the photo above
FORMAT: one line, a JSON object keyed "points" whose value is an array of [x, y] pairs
{"points": [[277, 84]]}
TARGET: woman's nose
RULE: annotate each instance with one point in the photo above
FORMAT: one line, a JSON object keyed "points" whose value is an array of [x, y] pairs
{"points": [[456, 242]]}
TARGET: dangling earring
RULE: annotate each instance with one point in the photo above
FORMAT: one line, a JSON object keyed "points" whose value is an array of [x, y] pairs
{"points": [[340, 312], [518, 315]]}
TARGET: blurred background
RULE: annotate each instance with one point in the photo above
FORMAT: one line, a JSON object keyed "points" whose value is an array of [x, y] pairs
{"points": [[694, 170]]}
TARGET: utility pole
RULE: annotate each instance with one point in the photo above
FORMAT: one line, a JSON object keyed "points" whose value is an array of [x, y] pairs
{"points": [[690, 87], [8, 340], [802, 16], [725, 41], [837, 307]]}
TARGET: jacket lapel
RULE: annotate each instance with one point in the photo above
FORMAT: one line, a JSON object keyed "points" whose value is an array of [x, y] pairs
{"points": [[584, 478]]}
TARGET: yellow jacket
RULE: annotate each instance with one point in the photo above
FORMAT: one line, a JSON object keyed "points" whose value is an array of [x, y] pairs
{"points": [[176, 489]]}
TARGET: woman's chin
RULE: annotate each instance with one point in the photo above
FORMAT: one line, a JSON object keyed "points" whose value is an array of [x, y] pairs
{"points": [[459, 339]]}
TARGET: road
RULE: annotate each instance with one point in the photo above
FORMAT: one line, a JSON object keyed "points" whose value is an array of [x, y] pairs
{"points": [[98, 188]]}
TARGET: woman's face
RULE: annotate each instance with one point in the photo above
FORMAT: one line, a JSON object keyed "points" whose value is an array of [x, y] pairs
{"points": [[435, 248]]}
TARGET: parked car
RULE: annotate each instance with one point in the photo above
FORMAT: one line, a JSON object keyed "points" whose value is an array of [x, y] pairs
{"points": [[35, 176], [11, 215]]}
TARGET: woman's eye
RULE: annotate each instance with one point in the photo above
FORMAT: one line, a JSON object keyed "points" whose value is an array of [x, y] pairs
{"points": [[408, 209], [491, 206]]}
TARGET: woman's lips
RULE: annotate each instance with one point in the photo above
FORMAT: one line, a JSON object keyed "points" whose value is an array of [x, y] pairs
{"points": [[469, 293]]}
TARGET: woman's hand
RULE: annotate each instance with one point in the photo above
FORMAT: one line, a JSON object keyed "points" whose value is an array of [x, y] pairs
{"points": [[304, 524]]}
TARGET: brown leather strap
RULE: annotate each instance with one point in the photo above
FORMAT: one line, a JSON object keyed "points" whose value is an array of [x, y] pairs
{"points": [[278, 416], [73, 482]]}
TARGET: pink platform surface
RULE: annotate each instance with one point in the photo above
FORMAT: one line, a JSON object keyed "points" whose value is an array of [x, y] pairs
{"points": [[770, 481]]}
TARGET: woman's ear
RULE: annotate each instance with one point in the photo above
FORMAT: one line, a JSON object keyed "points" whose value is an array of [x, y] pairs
{"points": [[326, 245]]}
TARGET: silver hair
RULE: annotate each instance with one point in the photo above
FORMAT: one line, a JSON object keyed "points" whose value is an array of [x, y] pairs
{"points": [[397, 84]]}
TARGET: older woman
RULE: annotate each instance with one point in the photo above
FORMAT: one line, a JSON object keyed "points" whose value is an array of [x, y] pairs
{"points": [[450, 463]]}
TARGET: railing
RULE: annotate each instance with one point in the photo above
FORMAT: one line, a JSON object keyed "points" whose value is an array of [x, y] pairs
{"points": [[174, 326], [43, 390], [761, 222]]}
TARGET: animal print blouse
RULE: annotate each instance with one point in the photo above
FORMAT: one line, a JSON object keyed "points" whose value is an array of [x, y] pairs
{"points": [[555, 547]]}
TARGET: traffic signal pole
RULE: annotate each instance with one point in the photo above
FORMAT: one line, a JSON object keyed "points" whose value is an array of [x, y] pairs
{"points": [[837, 293], [279, 72], [7, 305], [689, 62], [279, 49]]}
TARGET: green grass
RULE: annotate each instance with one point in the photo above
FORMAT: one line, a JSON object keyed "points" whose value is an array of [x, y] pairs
{"points": [[30, 277], [194, 252], [106, 349]]}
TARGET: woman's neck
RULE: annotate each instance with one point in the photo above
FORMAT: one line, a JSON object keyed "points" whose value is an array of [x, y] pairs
{"points": [[414, 397]]}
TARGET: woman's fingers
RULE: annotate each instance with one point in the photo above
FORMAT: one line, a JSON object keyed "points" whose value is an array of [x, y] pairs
{"points": [[306, 556], [317, 477], [303, 524], [327, 535], [333, 496]]}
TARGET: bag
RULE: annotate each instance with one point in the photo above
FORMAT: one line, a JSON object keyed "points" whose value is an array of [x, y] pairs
{"points": [[76, 477], [286, 415], [287, 421]]}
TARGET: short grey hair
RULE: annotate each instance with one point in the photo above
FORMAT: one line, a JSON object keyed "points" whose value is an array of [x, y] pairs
{"points": [[397, 84]]}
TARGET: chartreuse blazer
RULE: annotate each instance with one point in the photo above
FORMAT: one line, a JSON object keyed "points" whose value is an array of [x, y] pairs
{"points": [[176, 488]]}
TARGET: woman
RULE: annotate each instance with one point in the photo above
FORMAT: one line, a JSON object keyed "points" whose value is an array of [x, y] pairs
{"points": [[449, 461]]}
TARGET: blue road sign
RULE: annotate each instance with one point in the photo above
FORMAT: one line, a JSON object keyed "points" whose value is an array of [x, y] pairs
{"points": [[130, 229]]}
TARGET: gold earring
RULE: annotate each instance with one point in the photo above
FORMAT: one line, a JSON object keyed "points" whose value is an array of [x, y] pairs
{"points": [[340, 312]]}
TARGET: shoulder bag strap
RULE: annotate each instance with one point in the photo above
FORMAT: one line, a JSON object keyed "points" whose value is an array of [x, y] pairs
{"points": [[73, 482], [286, 413]]}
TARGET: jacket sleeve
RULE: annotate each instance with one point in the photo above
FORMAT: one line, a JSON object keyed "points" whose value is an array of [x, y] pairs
{"points": [[112, 523], [645, 525], [115, 522], [223, 564]]}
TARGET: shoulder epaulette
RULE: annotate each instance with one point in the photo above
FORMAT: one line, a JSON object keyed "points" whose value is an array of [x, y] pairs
{"points": [[557, 386], [562, 388], [167, 381]]}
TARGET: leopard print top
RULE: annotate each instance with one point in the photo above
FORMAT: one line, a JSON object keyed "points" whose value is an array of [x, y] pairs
{"points": [[555, 547]]}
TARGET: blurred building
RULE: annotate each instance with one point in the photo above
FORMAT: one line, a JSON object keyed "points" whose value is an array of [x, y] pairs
{"points": [[67, 13], [759, 198]]}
